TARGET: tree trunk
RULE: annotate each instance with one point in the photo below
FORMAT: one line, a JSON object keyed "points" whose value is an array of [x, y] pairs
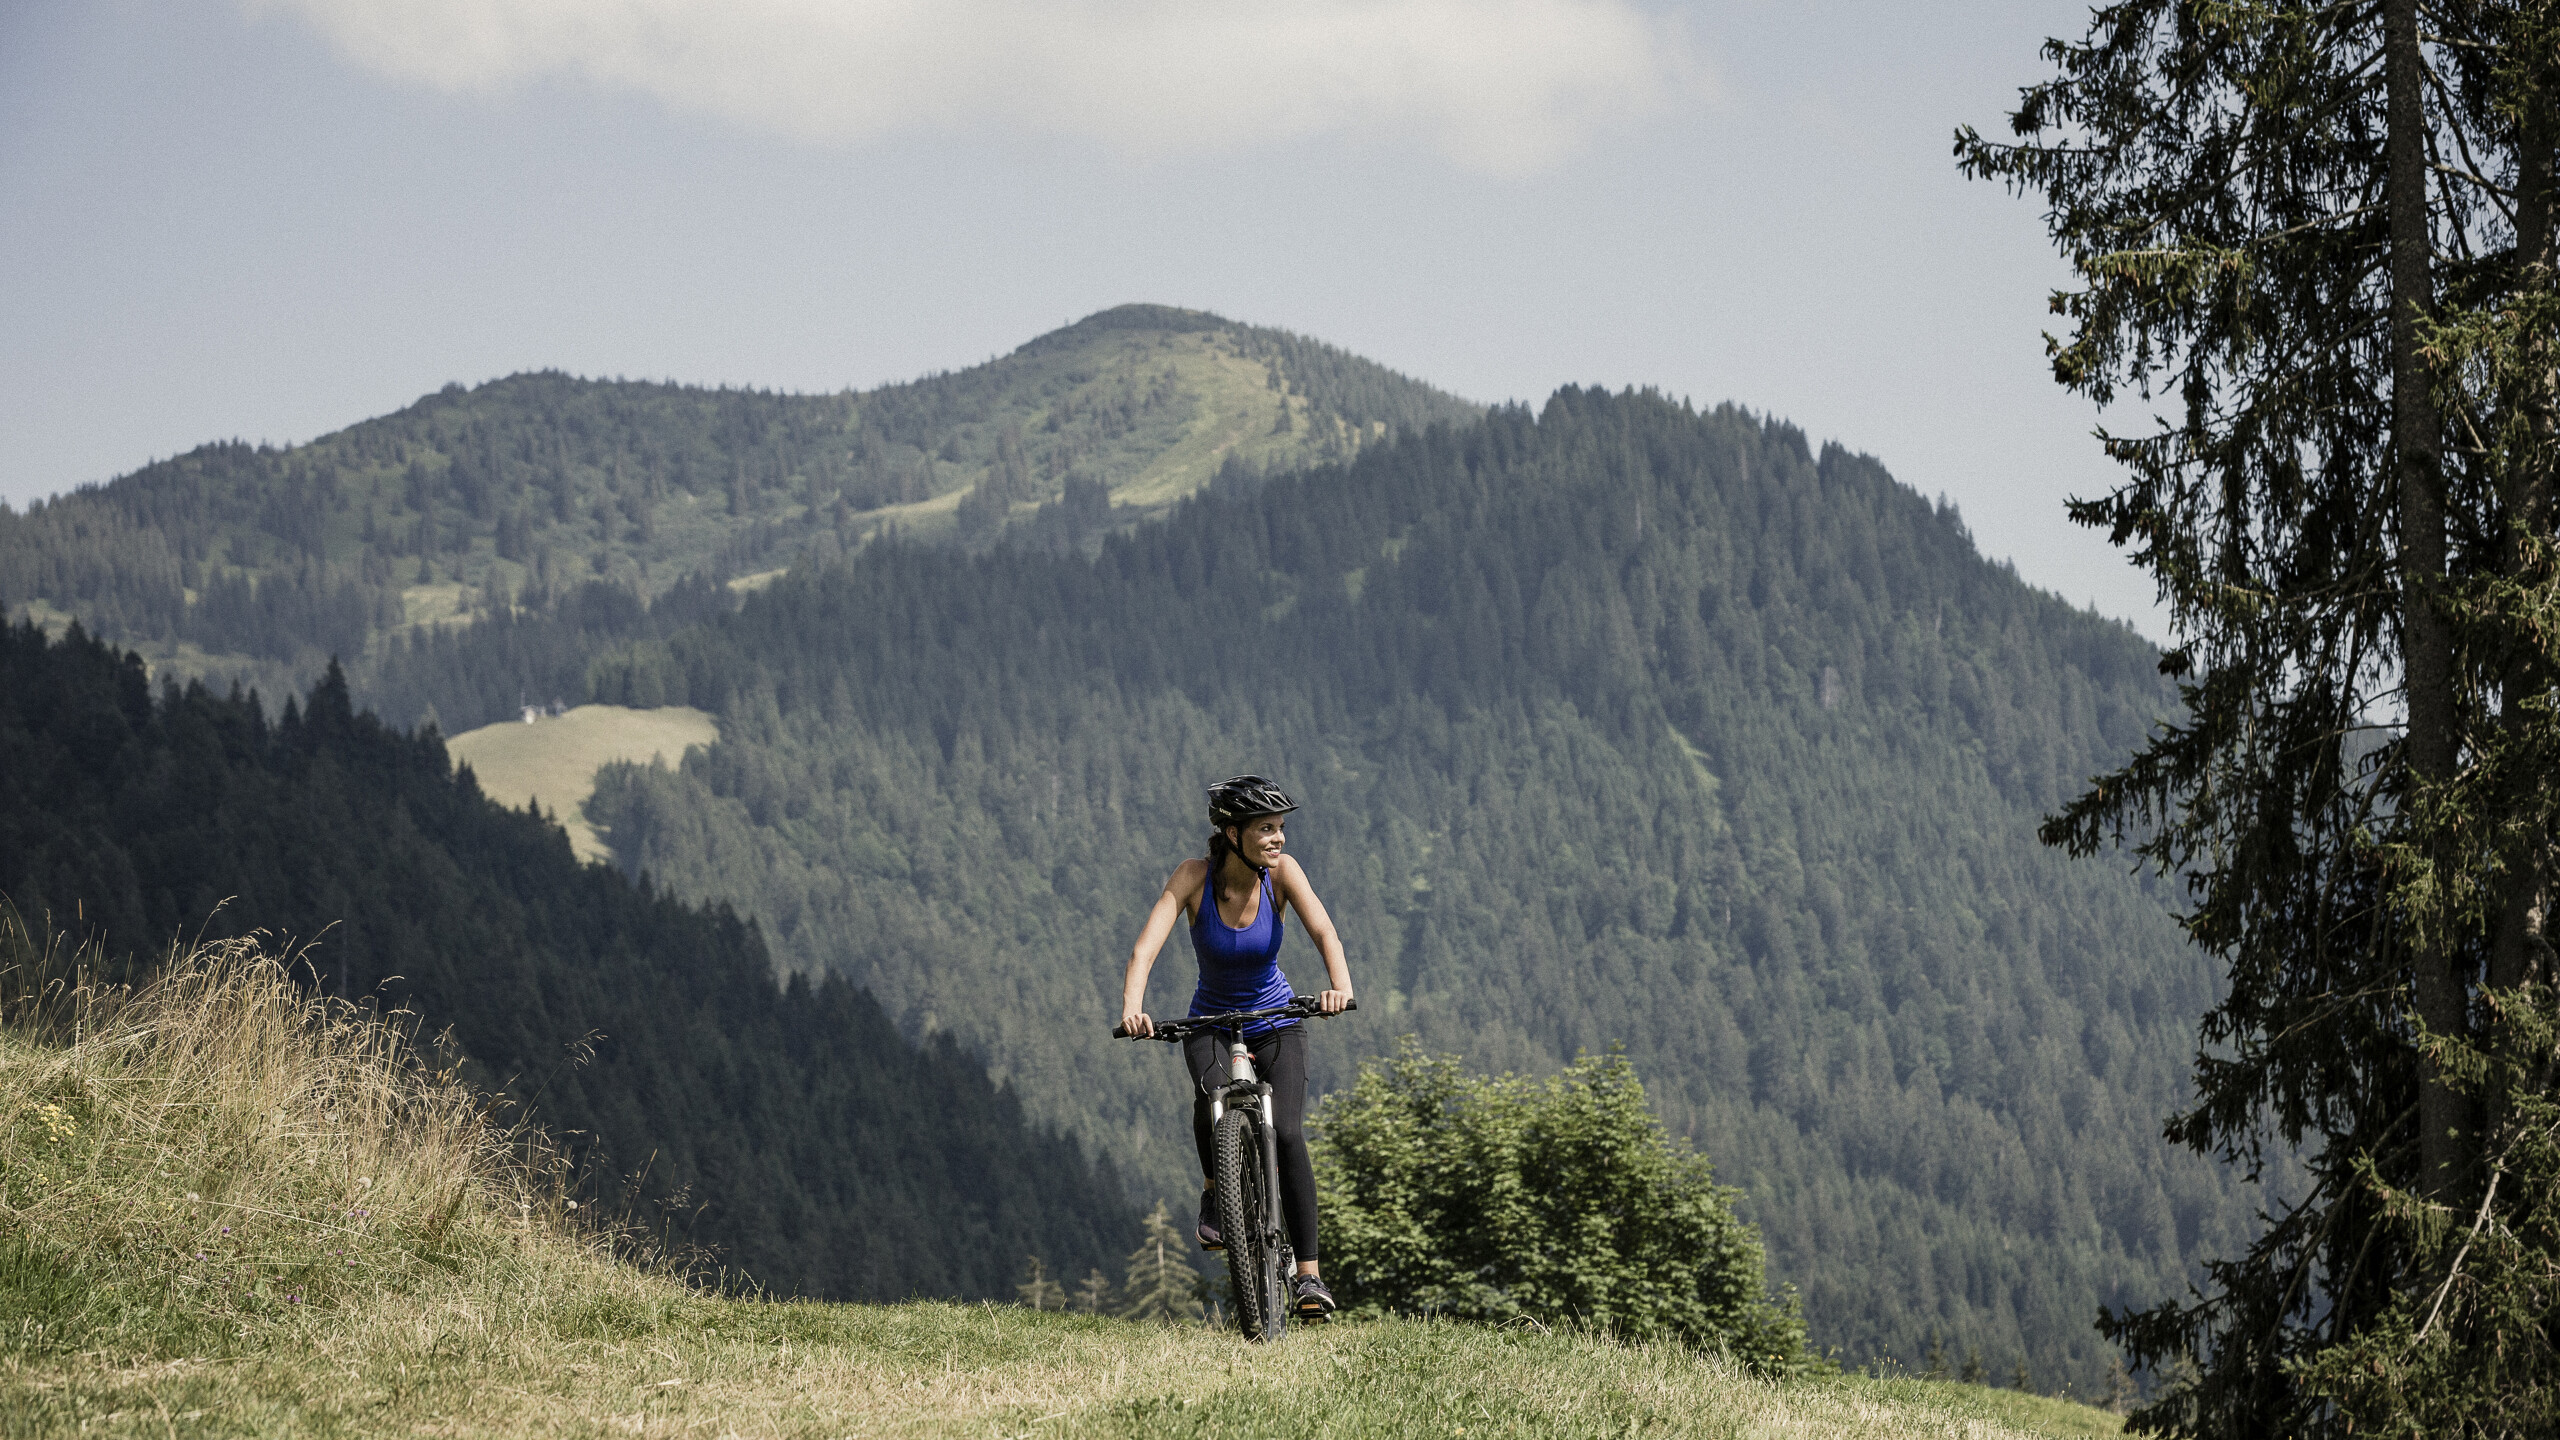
{"points": [[2426, 641], [2522, 952]]}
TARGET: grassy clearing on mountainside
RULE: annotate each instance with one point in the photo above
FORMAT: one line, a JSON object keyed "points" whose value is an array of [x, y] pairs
{"points": [[226, 1209], [1237, 414], [425, 605], [1229, 409], [555, 759]]}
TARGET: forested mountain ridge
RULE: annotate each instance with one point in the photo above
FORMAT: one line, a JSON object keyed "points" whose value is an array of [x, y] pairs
{"points": [[239, 561], [795, 1131], [1616, 724]]}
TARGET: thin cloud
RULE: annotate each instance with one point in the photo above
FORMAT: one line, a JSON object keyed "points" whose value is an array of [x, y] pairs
{"points": [[1496, 85]]}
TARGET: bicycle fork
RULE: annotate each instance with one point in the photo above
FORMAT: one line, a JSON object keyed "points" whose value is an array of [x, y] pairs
{"points": [[1241, 1079]]}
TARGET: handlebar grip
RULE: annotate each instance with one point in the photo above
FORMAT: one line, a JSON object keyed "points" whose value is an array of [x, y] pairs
{"points": [[1350, 1005], [1121, 1032]]}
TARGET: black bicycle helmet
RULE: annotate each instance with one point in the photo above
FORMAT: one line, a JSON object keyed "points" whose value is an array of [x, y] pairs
{"points": [[1246, 797]]}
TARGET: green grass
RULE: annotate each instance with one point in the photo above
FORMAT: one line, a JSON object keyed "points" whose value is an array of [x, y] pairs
{"points": [[544, 1357], [555, 759], [225, 1210]]}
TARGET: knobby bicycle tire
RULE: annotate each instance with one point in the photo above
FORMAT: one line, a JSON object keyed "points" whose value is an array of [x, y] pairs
{"points": [[1243, 1221]]}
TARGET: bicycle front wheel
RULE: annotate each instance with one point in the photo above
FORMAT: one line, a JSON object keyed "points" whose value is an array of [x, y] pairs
{"points": [[1255, 1286]]}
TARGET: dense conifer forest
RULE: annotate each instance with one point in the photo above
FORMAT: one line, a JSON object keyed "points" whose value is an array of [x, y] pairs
{"points": [[793, 1131], [1617, 723]]}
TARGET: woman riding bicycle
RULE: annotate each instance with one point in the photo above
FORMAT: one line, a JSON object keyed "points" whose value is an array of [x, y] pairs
{"points": [[1233, 901]]}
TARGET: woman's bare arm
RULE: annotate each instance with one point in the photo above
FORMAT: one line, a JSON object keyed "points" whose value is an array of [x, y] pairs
{"points": [[1297, 892], [1181, 893]]}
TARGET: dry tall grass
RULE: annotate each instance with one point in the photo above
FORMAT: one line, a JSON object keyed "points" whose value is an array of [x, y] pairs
{"points": [[228, 1208], [213, 1146]]}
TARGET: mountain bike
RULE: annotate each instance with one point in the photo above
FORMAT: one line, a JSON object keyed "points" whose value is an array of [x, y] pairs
{"points": [[1244, 1169]]}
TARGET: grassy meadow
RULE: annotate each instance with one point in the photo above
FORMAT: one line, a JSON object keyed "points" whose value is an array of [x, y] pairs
{"points": [[226, 1209], [555, 759]]}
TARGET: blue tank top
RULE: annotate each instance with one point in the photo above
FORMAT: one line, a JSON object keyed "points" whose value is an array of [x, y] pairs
{"points": [[1239, 969]]}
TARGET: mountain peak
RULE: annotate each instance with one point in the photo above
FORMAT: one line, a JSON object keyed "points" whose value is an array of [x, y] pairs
{"points": [[1167, 319], [481, 499]]}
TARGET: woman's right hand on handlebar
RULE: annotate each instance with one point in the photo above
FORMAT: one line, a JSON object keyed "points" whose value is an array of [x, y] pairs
{"points": [[1136, 1025]]}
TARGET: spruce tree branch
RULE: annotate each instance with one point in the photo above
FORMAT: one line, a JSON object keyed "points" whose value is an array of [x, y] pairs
{"points": [[2451, 43], [2328, 1005], [2491, 1194], [2338, 1309], [2302, 1266], [2462, 143], [2484, 182], [2321, 222]]}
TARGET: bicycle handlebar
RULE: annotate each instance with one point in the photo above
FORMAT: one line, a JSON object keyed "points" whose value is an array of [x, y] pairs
{"points": [[1299, 1007]]}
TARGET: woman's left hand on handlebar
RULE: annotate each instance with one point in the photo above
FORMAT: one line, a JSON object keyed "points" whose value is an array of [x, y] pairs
{"points": [[1332, 1002]]}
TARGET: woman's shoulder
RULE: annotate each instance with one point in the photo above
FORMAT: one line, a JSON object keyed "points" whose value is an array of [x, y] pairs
{"points": [[1190, 880]]}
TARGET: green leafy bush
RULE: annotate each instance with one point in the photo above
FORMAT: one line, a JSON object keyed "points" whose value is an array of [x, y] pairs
{"points": [[1558, 1200]]}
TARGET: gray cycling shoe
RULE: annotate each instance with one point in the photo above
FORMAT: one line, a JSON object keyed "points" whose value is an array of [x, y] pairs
{"points": [[1314, 1302], [1210, 1239]]}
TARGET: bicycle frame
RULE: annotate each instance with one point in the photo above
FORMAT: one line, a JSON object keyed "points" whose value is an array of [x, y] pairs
{"points": [[1245, 1089], [1244, 1085]]}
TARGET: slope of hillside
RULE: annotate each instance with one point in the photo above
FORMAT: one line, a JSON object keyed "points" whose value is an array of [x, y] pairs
{"points": [[796, 1131], [175, 1253], [261, 562], [1619, 723]]}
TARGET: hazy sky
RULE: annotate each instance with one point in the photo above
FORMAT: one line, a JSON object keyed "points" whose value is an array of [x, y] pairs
{"points": [[271, 219]]}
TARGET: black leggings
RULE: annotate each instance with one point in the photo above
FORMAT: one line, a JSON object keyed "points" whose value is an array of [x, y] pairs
{"points": [[1280, 1058]]}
